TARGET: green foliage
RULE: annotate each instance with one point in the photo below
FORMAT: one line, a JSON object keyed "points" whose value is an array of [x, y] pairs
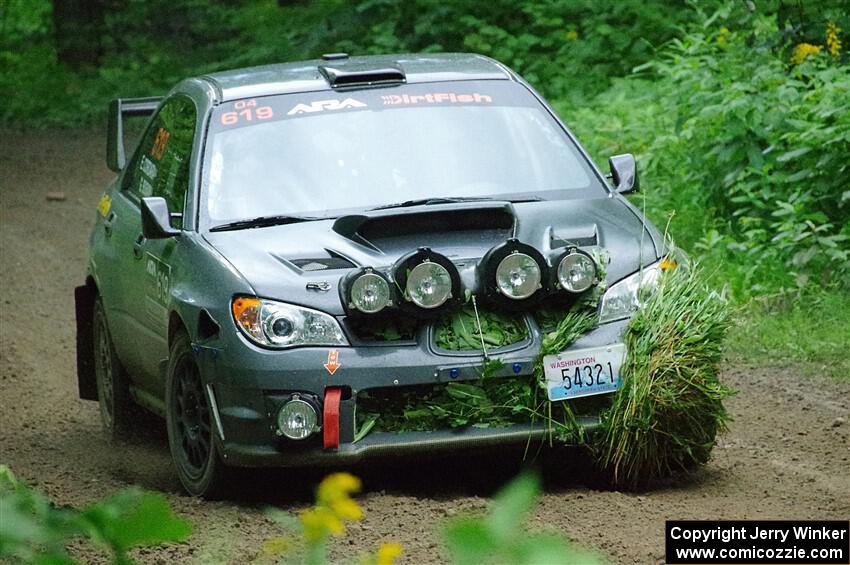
{"points": [[499, 537], [492, 401], [747, 149], [566, 48], [669, 409], [460, 330], [33, 530], [808, 332], [749, 152], [488, 402]]}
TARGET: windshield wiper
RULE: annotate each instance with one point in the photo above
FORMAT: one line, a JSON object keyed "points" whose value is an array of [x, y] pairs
{"points": [[264, 221], [454, 199]]}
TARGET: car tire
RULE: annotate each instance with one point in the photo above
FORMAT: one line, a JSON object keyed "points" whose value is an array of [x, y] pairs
{"points": [[189, 421], [113, 386]]}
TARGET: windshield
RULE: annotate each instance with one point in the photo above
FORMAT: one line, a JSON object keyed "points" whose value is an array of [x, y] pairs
{"points": [[325, 153]]}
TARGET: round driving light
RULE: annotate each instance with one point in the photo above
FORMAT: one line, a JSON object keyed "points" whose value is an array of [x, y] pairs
{"points": [[513, 274], [518, 276], [576, 272], [370, 293], [427, 282], [429, 285], [297, 419]]}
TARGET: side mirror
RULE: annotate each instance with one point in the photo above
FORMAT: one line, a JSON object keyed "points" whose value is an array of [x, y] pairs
{"points": [[624, 173], [156, 220]]}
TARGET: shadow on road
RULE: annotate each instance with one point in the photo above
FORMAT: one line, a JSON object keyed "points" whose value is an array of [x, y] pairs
{"points": [[144, 459]]}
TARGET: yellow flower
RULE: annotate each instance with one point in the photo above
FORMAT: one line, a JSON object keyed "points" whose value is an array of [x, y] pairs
{"points": [[572, 35], [333, 507], [721, 37], [347, 509], [388, 552], [803, 51], [668, 264], [319, 522], [832, 41], [336, 486]]}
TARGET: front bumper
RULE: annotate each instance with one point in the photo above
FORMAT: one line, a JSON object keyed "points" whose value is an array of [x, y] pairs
{"points": [[248, 384], [388, 445]]}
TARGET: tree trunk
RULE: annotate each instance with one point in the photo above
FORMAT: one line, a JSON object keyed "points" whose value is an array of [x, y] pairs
{"points": [[78, 28]]}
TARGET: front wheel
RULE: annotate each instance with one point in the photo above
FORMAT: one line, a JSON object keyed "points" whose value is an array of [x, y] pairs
{"points": [[190, 425]]}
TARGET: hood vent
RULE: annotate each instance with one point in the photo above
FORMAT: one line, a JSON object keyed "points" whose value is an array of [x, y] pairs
{"points": [[436, 220], [456, 230], [580, 238], [311, 264]]}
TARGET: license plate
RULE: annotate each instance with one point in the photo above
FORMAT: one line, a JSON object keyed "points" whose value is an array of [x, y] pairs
{"points": [[584, 372]]}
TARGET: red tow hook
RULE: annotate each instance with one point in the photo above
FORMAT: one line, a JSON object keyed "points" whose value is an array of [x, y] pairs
{"points": [[330, 417]]}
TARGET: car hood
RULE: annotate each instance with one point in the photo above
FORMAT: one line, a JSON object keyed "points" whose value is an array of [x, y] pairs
{"points": [[303, 263]]}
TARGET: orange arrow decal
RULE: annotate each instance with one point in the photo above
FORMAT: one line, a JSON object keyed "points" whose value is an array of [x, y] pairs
{"points": [[333, 361]]}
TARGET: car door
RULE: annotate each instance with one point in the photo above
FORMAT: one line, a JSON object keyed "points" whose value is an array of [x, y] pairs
{"points": [[115, 245], [163, 170], [160, 167]]}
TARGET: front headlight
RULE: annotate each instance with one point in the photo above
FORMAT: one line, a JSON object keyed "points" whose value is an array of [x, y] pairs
{"points": [[275, 324], [623, 298]]}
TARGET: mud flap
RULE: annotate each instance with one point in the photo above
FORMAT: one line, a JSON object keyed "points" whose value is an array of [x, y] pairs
{"points": [[84, 297]]}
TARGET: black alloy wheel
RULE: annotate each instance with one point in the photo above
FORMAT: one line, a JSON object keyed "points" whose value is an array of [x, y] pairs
{"points": [[189, 420]]}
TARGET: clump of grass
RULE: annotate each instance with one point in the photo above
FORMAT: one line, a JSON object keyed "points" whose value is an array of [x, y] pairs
{"points": [[459, 330], [491, 401], [669, 409]]}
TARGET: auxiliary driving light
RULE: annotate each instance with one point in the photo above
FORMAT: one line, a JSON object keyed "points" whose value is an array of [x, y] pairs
{"points": [[368, 291], [429, 279], [429, 285], [576, 271], [513, 271], [518, 276], [297, 419]]}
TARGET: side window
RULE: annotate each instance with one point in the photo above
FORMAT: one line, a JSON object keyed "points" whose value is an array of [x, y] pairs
{"points": [[161, 165]]}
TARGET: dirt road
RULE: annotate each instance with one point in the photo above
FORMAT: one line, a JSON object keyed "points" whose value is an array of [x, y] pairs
{"points": [[787, 455]]}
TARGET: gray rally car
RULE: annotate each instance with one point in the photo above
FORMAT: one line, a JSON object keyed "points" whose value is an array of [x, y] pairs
{"points": [[271, 218]]}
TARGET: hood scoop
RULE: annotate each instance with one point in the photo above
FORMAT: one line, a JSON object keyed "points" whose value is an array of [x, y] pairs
{"points": [[438, 226], [330, 261], [574, 237]]}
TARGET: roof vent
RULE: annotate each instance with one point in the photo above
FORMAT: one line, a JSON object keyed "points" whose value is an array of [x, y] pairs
{"points": [[362, 77], [334, 56]]}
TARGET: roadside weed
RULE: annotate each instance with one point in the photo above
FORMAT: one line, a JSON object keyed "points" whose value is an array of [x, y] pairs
{"points": [[499, 536], [34, 530]]}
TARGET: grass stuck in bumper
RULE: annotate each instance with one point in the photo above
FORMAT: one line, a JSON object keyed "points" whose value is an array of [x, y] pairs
{"points": [[664, 417]]}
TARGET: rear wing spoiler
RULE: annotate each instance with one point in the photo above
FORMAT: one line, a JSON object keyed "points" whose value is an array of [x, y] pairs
{"points": [[118, 110]]}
